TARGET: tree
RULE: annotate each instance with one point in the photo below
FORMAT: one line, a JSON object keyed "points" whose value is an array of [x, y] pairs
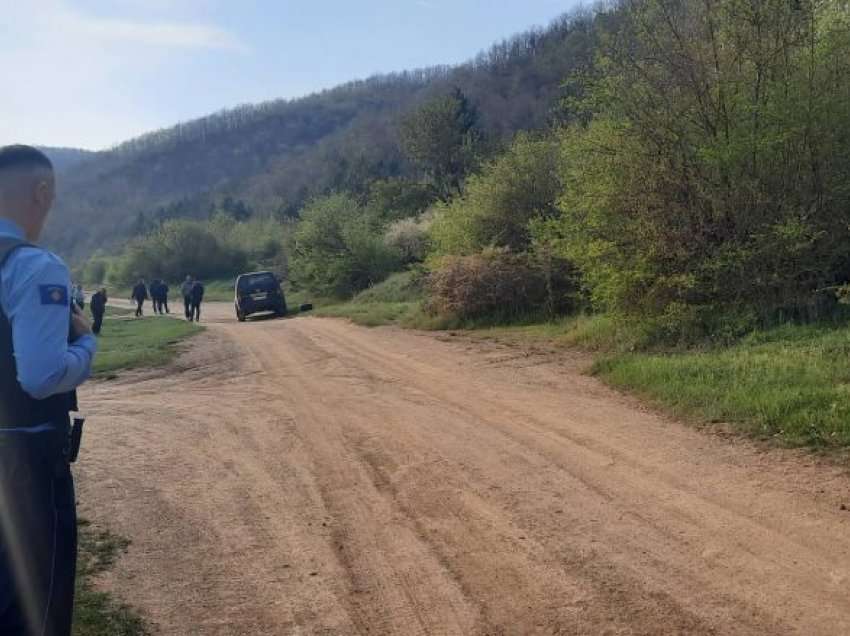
{"points": [[711, 179], [395, 199], [500, 202], [441, 138], [337, 249]]}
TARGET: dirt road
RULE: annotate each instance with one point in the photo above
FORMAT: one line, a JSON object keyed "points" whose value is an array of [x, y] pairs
{"points": [[312, 477]]}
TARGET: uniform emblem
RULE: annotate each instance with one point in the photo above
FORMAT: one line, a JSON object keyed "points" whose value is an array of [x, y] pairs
{"points": [[53, 295]]}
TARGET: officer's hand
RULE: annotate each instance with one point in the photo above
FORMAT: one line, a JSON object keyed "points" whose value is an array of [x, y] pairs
{"points": [[80, 325]]}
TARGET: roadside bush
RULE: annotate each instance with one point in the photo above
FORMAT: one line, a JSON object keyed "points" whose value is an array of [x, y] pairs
{"points": [[337, 250], [498, 284], [409, 237], [499, 203]]}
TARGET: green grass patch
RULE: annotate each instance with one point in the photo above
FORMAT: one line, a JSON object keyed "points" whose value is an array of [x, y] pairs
{"points": [[791, 384], [397, 300], [127, 343], [214, 290], [401, 287], [370, 314], [117, 312], [97, 613]]}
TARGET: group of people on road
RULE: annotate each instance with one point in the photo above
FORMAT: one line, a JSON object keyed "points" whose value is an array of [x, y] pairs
{"points": [[191, 289]]}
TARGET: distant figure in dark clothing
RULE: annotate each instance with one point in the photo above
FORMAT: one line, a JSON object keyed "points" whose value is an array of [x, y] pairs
{"points": [[163, 296], [153, 289], [98, 309], [159, 296], [139, 295], [196, 297], [186, 291]]}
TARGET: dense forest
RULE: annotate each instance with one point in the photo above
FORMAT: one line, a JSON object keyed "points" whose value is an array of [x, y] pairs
{"points": [[678, 163]]}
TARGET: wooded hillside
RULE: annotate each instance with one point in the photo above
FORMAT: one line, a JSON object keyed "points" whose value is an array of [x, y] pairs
{"points": [[272, 157]]}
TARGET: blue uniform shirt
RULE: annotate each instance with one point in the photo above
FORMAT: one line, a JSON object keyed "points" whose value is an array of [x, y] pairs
{"points": [[35, 296]]}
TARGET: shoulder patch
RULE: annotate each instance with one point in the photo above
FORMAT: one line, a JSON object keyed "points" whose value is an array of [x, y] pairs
{"points": [[53, 295]]}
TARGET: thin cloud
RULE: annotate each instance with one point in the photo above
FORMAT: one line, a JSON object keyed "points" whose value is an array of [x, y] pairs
{"points": [[159, 34]]}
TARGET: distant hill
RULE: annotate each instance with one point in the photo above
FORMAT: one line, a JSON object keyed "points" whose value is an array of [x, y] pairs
{"points": [[65, 158], [273, 156]]}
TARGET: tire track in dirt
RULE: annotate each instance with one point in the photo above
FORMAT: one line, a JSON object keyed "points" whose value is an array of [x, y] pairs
{"points": [[767, 550], [311, 477]]}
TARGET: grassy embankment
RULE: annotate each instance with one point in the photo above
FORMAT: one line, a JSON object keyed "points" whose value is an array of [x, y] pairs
{"points": [[790, 384], [395, 301], [125, 343]]}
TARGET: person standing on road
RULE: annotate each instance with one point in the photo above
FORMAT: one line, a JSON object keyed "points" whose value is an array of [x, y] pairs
{"points": [[43, 360], [156, 295], [139, 296], [163, 296], [98, 309], [196, 297], [186, 290]]}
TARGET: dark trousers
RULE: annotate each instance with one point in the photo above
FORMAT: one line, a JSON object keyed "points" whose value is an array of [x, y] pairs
{"points": [[97, 323], [139, 304], [195, 312], [187, 307], [38, 537], [160, 306]]}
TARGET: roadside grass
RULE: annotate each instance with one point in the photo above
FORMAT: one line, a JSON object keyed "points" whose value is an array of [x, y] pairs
{"points": [[96, 613], [214, 291], [790, 384], [598, 332], [127, 343], [370, 314], [117, 312], [396, 300]]}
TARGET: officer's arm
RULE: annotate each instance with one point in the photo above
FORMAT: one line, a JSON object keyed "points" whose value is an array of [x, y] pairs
{"points": [[39, 314]]}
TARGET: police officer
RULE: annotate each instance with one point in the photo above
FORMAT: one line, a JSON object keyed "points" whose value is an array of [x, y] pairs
{"points": [[43, 360]]}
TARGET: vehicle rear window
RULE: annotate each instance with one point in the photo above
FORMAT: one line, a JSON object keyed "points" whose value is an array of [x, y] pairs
{"points": [[256, 280]]}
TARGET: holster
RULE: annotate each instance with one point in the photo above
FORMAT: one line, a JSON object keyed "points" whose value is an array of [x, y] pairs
{"points": [[76, 439]]}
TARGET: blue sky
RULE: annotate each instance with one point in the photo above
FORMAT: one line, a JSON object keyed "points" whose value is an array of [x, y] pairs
{"points": [[91, 73]]}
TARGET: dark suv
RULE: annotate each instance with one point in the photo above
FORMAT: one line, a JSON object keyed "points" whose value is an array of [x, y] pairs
{"points": [[257, 292]]}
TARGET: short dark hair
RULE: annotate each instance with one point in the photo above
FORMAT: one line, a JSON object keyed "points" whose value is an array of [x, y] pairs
{"points": [[18, 156]]}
